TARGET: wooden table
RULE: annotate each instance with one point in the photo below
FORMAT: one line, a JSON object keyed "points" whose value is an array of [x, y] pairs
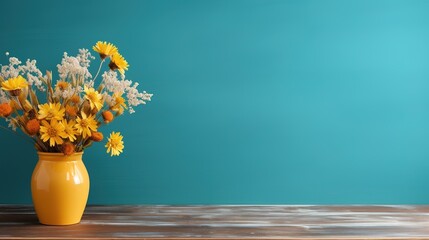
{"points": [[225, 222]]}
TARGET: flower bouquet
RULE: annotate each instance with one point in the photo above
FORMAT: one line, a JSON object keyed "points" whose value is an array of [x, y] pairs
{"points": [[62, 118], [69, 119]]}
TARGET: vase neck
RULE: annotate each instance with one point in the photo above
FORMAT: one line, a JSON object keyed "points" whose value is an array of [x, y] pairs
{"points": [[46, 156]]}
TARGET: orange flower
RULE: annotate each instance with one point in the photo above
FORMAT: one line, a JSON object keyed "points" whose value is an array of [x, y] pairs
{"points": [[68, 148], [5, 110], [33, 126], [107, 116], [96, 136], [75, 99], [71, 111], [62, 85]]}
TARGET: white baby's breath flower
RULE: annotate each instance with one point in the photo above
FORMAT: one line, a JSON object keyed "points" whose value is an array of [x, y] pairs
{"points": [[69, 66], [33, 74], [68, 93], [74, 66], [108, 99], [29, 70], [3, 96], [12, 124], [84, 57], [30, 67], [11, 70], [147, 96], [89, 84], [57, 93], [14, 61], [113, 85], [79, 89]]}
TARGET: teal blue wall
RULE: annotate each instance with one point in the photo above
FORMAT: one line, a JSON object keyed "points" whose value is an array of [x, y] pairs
{"points": [[274, 102]]}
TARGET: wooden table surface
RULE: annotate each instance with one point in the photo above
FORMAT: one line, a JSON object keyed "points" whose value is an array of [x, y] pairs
{"points": [[225, 222]]}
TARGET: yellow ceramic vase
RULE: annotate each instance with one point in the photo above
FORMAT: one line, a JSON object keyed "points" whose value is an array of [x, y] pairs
{"points": [[60, 187]]}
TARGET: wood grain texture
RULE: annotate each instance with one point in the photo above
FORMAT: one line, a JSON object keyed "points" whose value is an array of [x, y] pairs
{"points": [[225, 222]]}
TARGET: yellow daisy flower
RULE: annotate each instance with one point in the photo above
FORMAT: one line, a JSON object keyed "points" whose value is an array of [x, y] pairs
{"points": [[115, 145], [69, 129], [94, 98], [71, 111], [14, 85], [85, 125], [50, 111], [75, 99], [117, 62], [119, 102], [105, 49], [54, 132]]}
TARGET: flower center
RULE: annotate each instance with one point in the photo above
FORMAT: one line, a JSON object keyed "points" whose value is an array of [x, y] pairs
{"points": [[62, 85], [113, 66], [83, 123], [114, 143], [15, 92], [50, 114], [52, 132]]}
